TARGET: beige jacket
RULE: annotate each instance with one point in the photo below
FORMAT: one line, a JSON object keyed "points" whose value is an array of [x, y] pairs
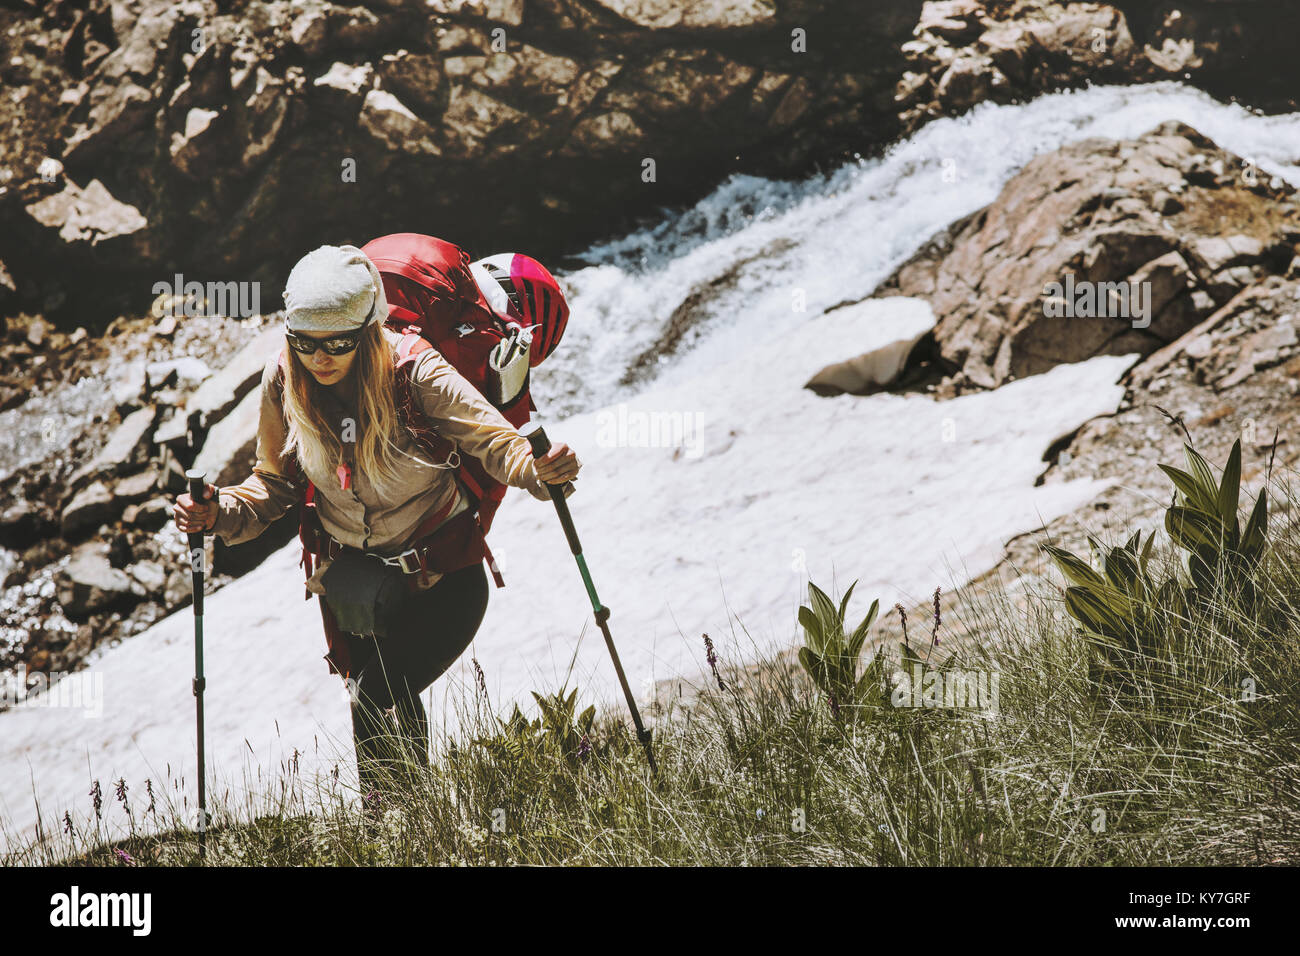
{"points": [[358, 516]]}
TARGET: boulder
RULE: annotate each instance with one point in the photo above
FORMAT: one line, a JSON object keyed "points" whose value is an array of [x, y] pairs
{"points": [[178, 591], [23, 524], [127, 447], [196, 151], [1089, 223], [89, 508], [185, 371], [89, 584], [230, 448], [870, 369], [150, 516], [151, 576], [92, 216], [222, 391], [129, 389], [390, 123], [137, 487]]}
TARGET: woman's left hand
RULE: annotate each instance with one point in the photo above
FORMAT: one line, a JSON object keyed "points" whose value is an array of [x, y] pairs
{"points": [[558, 465]]}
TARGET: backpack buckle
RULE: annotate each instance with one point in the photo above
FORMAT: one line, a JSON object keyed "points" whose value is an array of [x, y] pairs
{"points": [[401, 560]]}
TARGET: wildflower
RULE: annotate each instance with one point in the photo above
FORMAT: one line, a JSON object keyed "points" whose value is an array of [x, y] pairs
{"points": [[97, 798], [934, 635], [584, 747], [479, 679], [712, 658], [903, 614], [124, 856], [67, 824], [148, 788], [120, 791]]}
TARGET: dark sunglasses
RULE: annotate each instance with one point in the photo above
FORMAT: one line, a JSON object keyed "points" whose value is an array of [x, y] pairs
{"points": [[335, 345]]}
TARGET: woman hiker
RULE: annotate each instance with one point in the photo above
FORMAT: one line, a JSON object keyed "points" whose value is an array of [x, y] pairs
{"points": [[333, 417]]}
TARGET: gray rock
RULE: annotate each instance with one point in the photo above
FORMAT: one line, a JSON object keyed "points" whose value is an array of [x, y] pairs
{"points": [[23, 524], [185, 370], [221, 392], [136, 487], [346, 79], [230, 448], [1213, 253], [89, 584], [1086, 213], [179, 589], [174, 431], [127, 447], [89, 508], [150, 575], [387, 120], [673, 14], [128, 391], [92, 216], [150, 516]]}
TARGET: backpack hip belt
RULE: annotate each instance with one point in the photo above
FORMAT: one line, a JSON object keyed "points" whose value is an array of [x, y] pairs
{"points": [[440, 543]]}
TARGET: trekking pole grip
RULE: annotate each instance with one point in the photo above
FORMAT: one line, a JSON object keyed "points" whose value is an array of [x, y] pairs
{"points": [[197, 481], [541, 444]]}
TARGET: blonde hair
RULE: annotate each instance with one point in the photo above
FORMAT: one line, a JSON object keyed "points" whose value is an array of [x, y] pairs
{"points": [[318, 442]]}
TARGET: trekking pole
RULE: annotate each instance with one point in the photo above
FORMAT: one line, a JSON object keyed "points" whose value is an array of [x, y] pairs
{"points": [[536, 436], [197, 481]]}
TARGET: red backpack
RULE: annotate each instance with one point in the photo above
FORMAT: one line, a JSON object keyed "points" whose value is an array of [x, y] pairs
{"points": [[435, 303]]}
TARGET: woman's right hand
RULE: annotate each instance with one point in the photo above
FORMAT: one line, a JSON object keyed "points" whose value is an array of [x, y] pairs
{"points": [[192, 517]]}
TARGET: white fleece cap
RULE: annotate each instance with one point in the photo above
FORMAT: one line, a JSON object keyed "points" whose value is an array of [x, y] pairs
{"points": [[334, 289]]}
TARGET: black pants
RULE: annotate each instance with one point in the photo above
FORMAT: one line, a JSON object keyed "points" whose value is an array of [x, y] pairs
{"points": [[425, 635]]}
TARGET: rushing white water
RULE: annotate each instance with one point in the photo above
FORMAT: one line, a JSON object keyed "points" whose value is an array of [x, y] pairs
{"points": [[753, 243], [715, 529]]}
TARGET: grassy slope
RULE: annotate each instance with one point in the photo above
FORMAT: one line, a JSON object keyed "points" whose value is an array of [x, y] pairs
{"points": [[1195, 765]]}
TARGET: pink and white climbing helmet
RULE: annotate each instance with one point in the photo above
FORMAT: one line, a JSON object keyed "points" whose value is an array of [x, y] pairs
{"points": [[522, 292]]}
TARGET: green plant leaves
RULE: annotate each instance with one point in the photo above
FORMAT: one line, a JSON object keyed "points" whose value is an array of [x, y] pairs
{"points": [[859, 635], [1206, 485], [829, 656], [1230, 486], [1118, 608], [1252, 539], [1094, 612], [1191, 529], [844, 603], [813, 630], [1076, 570]]}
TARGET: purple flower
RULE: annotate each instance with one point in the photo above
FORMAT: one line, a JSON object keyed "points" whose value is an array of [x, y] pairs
{"points": [[479, 680], [903, 614], [124, 856], [67, 823], [584, 747], [712, 658], [97, 798], [934, 635]]}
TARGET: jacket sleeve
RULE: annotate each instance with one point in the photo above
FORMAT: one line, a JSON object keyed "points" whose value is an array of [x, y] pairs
{"points": [[246, 510], [460, 412]]}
